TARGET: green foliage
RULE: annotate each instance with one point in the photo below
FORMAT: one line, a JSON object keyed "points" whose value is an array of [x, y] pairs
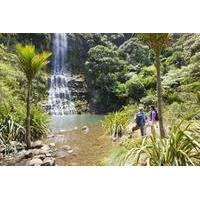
{"points": [[12, 98], [186, 111], [137, 53], [156, 41], [106, 70], [149, 100], [30, 62], [116, 123], [121, 90], [180, 147], [10, 131], [177, 59], [39, 122], [136, 89], [148, 77]]}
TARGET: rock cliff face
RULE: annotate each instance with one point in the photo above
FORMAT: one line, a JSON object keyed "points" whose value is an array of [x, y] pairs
{"points": [[79, 93], [84, 95]]}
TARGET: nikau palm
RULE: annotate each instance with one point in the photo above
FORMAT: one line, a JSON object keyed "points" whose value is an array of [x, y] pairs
{"points": [[157, 42], [30, 64]]}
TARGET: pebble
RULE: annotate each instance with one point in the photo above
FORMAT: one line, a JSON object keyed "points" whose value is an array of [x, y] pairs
{"points": [[70, 151]]}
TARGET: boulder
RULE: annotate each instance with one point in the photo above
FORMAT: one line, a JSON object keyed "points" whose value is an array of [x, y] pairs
{"points": [[35, 162], [36, 151], [21, 154], [40, 156], [28, 154], [43, 152], [37, 144], [49, 161], [52, 144], [19, 146], [45, 148]]}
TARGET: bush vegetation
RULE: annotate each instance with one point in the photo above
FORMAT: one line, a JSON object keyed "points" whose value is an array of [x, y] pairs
{"points": [[12, 99]]}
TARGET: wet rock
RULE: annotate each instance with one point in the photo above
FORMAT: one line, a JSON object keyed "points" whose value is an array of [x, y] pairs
{"points": [[37, 144], [28, 154], [52, 144], [35, 162], [49, 161]]}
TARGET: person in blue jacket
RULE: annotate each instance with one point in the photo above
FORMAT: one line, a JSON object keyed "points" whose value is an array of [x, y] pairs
{"points": [[140, 120]]}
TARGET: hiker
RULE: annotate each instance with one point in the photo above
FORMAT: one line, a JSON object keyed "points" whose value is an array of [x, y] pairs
{"points": [[140, 120], [153, 118]]}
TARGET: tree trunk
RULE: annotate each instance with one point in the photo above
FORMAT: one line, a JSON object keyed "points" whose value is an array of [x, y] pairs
{"points": [[28, 117], [8, 41], [159, 94]]}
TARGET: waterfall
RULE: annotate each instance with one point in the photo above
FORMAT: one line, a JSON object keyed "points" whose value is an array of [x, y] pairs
{"points": [[59, 99]]}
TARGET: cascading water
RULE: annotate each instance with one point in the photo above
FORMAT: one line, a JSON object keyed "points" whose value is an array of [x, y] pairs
{"points": [[59, 100]]}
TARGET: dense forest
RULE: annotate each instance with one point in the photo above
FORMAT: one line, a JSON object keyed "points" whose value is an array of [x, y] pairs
{"points": [[112, 74]]}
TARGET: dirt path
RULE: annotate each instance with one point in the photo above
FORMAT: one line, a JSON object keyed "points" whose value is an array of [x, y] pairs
{"points": [[147, 128]]}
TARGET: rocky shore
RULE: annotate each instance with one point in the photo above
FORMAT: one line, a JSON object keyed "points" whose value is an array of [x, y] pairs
{"points": [[39, 154]]}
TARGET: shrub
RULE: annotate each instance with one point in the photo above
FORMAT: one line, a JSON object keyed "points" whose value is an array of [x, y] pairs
{"points": [[148, 100], [116, 123], [180, 147], [135, 88], [121, 90], [39, 122], [10, 131]]}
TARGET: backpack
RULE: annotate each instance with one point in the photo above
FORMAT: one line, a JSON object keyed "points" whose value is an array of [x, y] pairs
{"points": [[156, 118], [140, 119]]}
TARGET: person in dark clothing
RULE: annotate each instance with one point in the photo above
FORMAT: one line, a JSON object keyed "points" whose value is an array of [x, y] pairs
{"points": [[140, 120]]}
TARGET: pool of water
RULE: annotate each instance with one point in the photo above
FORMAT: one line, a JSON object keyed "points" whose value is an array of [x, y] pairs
{"points": [[90, 147], [71, 122]]}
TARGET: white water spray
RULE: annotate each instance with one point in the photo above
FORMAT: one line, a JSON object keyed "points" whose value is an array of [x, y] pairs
{"points": [[59, 100]]}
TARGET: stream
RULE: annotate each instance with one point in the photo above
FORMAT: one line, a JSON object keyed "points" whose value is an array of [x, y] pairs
{"points": [[80, 140]]}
